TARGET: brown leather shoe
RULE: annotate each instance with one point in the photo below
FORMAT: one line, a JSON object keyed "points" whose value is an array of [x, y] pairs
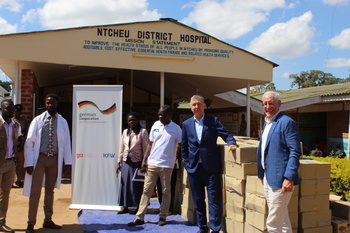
{"points": [[5, 228], [51, 225], [30, 228]]}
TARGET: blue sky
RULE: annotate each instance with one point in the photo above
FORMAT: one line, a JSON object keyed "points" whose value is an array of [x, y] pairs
{"points": [[299, 35]]}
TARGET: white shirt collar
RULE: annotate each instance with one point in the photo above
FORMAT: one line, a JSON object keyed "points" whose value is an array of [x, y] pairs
{"points": [[272, 118]]}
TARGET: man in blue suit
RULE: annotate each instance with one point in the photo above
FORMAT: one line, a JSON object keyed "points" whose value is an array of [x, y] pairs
{"points": [[203, 163], [278, 162]]}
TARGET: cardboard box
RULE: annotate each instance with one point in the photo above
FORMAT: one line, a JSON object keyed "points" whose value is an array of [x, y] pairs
{"points": [[244, 154], [185, 180], [233, 226], [189, 215], [314, 187], [256, 203], [293, 204], [234, 184], [315, 219], [313, 203], [250, 229], [187, 200], [256, 219], [296, 190], [234, 198], [314, 170], [255, 185], [240, 171], [341, 209], [235, 213], [294, 219], [324, 229], [340, 225]]}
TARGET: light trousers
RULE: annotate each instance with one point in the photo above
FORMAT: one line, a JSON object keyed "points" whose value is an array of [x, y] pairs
{"points": [[151, 177], [7, 176], [278, 218], [47, 166]]}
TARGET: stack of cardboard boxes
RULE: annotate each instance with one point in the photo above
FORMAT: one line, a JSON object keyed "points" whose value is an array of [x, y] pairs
{"points": [[244, 204], [314, 212], [185, 200], [237, 166]]}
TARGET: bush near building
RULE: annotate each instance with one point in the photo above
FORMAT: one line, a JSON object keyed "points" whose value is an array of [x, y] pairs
{"points": [[340, 176]]}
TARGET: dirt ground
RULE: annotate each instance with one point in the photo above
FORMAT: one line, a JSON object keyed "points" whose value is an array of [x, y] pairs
{"points": [[17, 214]]}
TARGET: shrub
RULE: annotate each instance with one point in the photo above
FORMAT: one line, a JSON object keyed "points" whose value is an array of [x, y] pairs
{"points": [[340, 176]]}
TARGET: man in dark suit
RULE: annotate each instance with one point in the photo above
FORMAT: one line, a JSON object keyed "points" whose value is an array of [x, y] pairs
{"points": [[203, 163], [278, 162]]}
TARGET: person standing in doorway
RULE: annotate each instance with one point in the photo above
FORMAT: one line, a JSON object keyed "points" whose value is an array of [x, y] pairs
{"points": [[278, 162], [20, 153], [46, 148]]}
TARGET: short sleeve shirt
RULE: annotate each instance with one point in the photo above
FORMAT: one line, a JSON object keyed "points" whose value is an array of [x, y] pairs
{"points": [[164, 138]]}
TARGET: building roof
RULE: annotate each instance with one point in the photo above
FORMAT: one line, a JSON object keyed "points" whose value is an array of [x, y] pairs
{"points": [[299, 99], [304, 93], [141, 54]]}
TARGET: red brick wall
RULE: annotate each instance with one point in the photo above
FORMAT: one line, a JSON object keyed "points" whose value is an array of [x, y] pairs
{"points": [[27, 90], [338, 123]]}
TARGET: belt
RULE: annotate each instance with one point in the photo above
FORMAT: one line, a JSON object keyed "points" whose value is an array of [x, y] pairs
{"points": [[10, 158], [48, 154]]}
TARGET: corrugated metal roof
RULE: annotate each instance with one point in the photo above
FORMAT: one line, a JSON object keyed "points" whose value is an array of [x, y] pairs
{"points": [[304, 93]]}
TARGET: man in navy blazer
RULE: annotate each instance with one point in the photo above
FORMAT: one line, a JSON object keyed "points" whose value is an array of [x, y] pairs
{"points": [[278, 162], [202, 161]]}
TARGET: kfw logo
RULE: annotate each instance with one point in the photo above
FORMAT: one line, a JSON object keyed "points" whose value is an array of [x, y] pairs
{"points": [[108, 155]]}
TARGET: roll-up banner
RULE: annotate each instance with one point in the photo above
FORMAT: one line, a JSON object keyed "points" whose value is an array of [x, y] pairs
{"points": [[96, 132]]}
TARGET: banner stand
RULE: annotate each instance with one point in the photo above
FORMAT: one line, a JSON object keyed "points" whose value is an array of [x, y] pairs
{"points": [[96, 135]]}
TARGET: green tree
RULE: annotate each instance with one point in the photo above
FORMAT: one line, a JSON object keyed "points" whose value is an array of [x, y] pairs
{"points": [[313, 78], [263, 88], [6, 85]]}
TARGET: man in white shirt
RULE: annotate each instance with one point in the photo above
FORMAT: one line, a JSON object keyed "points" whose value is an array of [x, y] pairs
{"points": [[278, 162], [159, 163]]}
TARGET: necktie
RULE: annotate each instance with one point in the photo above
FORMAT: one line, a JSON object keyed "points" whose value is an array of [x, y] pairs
{"points": [[50, 144]]}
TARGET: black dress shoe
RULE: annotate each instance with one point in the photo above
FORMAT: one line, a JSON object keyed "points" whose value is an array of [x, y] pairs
{"points": [[161, 222], [136, 222], [51, 225], [19, 184], [5, 228], [30, 228], [124, 211]]}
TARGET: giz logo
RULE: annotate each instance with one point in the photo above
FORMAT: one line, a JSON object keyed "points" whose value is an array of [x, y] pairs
{"points": [[80, 155]]}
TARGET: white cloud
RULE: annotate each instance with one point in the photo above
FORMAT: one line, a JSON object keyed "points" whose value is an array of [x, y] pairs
{"points": [[30, 16], [335, 2], [338, 62], [12, 5], [286, 40], [6, 28], [341, 41], [285, 75], [67, 13], [230, 19]]}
